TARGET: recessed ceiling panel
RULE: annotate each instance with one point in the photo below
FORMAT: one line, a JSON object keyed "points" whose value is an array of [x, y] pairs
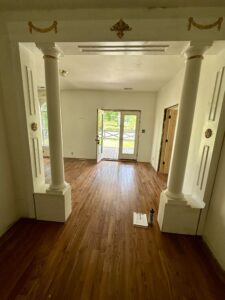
{"points": [[126, 48]]}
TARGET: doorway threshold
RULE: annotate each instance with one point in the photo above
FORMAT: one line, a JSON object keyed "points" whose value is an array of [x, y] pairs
{"points": [[120, 160]]}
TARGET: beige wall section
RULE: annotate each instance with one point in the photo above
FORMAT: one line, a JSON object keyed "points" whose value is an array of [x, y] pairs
{"points": [[168, 95], [214, 233], [79, 114], [12, 101], [8, 207]]}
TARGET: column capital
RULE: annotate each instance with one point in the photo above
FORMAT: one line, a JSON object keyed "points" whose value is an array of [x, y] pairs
{"points": [[50, 50], [197, 49]]}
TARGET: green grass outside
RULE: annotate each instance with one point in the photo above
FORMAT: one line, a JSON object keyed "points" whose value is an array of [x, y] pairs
{"points": [[112, 143]]}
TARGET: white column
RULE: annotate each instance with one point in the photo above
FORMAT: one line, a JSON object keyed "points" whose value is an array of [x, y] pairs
{"points": [[51, 55], [194, 56], [177, 212]]}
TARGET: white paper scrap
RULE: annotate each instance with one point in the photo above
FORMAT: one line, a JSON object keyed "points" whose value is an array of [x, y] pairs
{"points": [[140, 219]]}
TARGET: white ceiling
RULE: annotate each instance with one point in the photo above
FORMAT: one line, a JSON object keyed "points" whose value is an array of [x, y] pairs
{"points": [[114, 71], [140, 71], [58, 4]]}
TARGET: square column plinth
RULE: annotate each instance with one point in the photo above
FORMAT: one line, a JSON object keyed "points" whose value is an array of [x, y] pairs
{"points": [[52, 206], [178, 215]]}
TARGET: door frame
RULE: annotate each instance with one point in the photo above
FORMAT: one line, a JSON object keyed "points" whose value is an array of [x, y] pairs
{"points": [[16, 33], [138, 131], [161, 143]]}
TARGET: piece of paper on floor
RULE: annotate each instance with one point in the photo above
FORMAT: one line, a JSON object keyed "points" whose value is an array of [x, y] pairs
{"points": [[140, 219]]}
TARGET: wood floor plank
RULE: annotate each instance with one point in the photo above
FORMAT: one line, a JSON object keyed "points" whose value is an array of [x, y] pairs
{"points": [[98, 254]]}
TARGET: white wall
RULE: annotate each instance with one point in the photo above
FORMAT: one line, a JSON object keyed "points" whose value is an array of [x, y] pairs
{"points": [[214, 233], [8, 208], [168, 95], [79, 115]]}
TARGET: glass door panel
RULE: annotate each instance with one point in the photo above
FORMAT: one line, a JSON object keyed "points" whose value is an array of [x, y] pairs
{"points": [[129, 134], [111, 134], [99, 135]]}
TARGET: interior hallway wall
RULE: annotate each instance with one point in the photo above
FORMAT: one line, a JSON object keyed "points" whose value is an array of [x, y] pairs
{"points": [[8, 207], [79, 115], [167, 96], [12, 102], [214, 233]]}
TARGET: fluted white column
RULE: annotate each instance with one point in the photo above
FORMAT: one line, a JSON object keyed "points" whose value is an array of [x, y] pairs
{"points": [[51, 55], [194, 56]]}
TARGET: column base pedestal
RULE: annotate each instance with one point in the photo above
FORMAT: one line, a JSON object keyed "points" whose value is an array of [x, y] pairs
{"points": [[53, 206], [57, 189], [177, 215]]}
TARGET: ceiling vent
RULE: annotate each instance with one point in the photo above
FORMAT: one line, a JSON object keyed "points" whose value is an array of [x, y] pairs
{"points": [[151, 49]]}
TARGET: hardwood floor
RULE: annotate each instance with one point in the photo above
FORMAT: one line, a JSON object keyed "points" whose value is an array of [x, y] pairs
{"points": [[98, 254]]}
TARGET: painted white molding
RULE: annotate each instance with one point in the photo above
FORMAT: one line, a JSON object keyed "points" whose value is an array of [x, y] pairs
{"points": [[50, 49], [53, 206], [210, 148], [177, 216], [147, 24]]}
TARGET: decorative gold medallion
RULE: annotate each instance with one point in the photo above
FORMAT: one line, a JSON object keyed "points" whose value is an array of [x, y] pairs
{"points": [[42, 30], [218, 23], [120, 27], [34, 126], [208, 133]]}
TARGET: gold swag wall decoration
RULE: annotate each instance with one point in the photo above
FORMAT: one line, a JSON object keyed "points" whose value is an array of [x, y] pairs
{"points": [[43, 30], [191, 22], [120, 27]]}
